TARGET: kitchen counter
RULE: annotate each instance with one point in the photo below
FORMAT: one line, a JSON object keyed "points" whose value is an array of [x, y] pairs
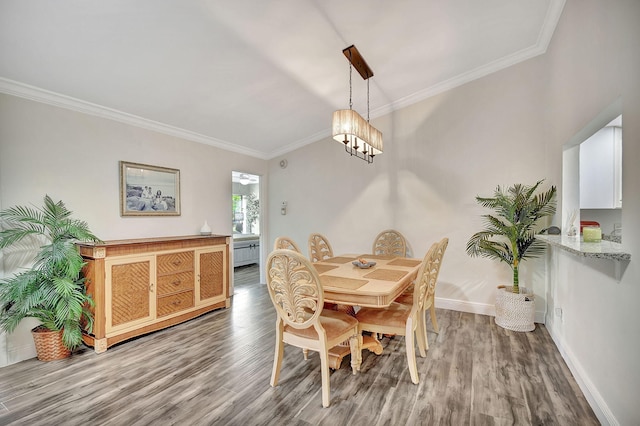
{"points": [[246, 249], [244, 237], [602, 250], [614, 238]]}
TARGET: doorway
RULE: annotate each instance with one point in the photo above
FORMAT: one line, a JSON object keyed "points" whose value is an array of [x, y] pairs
{"points": [[245, 219]]}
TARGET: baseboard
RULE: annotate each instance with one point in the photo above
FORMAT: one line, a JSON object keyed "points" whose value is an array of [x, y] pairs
{"points": [[477, 308], [595, 400], [462, 306], [20, 353]]}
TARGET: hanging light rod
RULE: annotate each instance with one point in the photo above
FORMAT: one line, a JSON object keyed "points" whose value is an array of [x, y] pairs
{"points": [[358, 61]]}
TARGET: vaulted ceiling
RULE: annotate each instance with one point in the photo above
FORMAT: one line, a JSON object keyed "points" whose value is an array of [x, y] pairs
{"points": [[254, 76]]}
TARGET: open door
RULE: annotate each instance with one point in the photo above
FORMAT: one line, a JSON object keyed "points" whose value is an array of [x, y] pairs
{"points": [[246, 219]]}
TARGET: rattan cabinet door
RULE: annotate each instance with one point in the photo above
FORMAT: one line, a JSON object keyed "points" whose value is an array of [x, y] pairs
{"points": [[211, 273], [130, 294]]}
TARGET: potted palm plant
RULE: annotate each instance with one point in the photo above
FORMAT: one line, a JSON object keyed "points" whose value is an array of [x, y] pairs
{"points": [[52, 289], [509, 237]]}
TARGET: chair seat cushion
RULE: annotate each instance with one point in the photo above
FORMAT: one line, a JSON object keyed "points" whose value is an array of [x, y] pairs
{"points": [[406, 298], [393, 316], [335, 323]]}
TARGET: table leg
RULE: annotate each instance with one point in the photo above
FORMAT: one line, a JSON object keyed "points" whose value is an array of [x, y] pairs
{"points": [[372, 344], [338, 352]]}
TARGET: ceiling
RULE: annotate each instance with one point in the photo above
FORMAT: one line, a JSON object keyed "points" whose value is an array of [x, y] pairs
{"points": [[257, 77]]}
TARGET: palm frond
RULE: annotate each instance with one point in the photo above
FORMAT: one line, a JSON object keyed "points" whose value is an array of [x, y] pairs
{"points": [[52, 290], [509, 233]]}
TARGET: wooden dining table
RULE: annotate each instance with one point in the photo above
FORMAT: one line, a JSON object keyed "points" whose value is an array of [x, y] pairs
{"points": [[350, 286]]}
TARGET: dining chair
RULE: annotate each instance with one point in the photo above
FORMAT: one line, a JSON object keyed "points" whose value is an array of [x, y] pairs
{"points": [[286, 243], [407, 296], [402, 319], [296, 292], [289, 244], [390, 242], [319, 248]]}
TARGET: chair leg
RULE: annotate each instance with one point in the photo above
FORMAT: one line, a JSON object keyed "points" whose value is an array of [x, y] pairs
{"points": [[277, 357], [421, 335], [305, 353], [411, 351], [432, 311], [324, 370]]}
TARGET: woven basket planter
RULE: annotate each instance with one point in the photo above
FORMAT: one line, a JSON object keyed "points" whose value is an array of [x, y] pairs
{"points": [[515, 311], [49, 345]]}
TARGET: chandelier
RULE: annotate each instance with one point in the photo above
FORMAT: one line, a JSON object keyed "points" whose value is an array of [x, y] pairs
{"points": [[359, 138]]}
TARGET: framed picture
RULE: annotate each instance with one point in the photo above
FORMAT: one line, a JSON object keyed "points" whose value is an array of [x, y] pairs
{"points": [[149, 190]]}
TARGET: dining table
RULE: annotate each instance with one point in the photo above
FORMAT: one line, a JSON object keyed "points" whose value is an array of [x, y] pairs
{"points": [[375, 284]]}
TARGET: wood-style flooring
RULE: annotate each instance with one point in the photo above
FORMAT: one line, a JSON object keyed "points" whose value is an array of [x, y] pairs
{"points": [[215, 370]]}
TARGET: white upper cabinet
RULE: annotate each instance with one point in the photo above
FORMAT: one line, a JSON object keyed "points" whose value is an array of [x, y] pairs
{"points": [[601, 170]]}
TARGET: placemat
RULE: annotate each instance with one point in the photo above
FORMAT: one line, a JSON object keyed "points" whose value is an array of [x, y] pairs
{"points": [[377, 256], [386, 275], [340, 259], [324, 268], [404, 262], [341, 282]]}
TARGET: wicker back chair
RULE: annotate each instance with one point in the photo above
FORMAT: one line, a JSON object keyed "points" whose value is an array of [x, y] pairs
{"points": [[319, 248], [286, 243], [407, 296], [404, 319], [296, 293], [391, 243]]}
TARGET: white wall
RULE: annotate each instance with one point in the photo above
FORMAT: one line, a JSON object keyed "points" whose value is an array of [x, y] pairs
{"points": [[607, 218], [439, 154], [599, 331], [74, 157], [505, 128]]}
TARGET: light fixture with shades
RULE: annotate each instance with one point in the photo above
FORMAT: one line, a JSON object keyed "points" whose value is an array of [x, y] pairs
{"points": [[349, 128]]}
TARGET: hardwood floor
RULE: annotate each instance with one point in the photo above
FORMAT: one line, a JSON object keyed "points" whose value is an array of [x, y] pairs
{"points": [[215, 370]]}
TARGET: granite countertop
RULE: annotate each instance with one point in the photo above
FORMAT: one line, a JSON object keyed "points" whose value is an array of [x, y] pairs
{"points": [[614, 238], [602, 250]]}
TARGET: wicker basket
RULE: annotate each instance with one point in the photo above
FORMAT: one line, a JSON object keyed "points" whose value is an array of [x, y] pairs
{"points": [[49, 345], [515, 311]]}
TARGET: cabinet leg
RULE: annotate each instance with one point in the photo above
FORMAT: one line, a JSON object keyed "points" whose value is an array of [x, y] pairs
{"points": [[100, 345]]}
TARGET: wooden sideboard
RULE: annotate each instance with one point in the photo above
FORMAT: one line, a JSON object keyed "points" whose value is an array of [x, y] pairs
{"points": [[144, 285]]}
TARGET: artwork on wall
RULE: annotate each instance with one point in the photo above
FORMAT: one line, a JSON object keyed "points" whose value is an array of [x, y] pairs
{"points": [[149, 190]]}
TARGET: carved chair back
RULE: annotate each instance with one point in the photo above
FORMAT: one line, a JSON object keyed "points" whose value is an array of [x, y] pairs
{"points": [[286, 243], [319, 248], [390, 242]]}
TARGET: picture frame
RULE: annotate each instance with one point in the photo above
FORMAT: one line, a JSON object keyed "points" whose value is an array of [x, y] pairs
{"points": [[147, 190]]}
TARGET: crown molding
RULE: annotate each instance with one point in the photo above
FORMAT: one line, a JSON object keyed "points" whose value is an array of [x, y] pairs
{"points": [[550, 23], [300, 143], [37, 94]]}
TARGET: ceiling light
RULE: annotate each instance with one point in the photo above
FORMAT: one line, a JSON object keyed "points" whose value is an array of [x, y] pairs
{"points": [[244, 179], [358, 136]]}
